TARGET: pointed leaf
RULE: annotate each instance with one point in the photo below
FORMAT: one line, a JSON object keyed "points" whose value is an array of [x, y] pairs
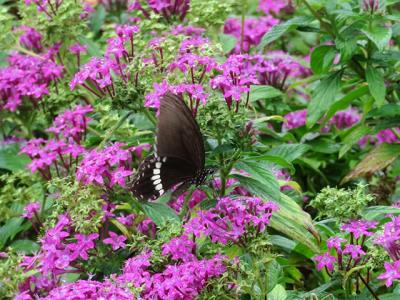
{"points": [[377, 159], [228, 42], [380, 36], [278, 30], [322, 58], [323, 97], [376, 85], [159, 212], [11, 160], [258, 92], [352, 138], [260, 181], [289, 152]]}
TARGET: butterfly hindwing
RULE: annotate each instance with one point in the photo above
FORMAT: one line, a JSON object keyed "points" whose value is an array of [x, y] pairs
{"points": [[158, 174]]}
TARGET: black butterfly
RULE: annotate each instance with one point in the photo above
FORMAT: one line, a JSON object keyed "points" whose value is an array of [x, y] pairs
{"points": [[179, 152]]}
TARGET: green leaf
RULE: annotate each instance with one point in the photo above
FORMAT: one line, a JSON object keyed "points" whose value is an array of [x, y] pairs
{"points": [[376, 85], [159, 212], [275, 159], [261, 181], [354, 135], [273, 272], [389, 296], [344, 102], [278, 293], [93, 48], [283, 242], [258, 92], [377, 159], [323, 97], [278, 30], [25, 246], [97, 18], [228, 42], [387, 110], [323, 145], [377, 212], [11, 160], [289, 152], [10, 229], [380, 36], [322, 58]]}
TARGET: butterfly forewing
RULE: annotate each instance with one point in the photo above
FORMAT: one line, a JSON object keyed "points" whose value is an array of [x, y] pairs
{"points": [[179, 155], [178, 134]]}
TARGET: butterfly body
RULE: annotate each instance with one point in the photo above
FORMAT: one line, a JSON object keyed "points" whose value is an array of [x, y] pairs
{"points": [[179, 153]]}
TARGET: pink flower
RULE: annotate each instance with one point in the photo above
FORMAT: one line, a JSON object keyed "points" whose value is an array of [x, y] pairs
{"points": [[392, 272], [115, 240], [354, 250], [231, 219], [295, 119], [325, 261], [126, 220], [359, 227], [272, 6], [77, 48], [254, 30], [390, 238], [30, 210], [180, 248], [335, 242]]}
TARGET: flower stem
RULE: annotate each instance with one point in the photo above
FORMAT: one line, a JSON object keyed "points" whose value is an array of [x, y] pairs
{"points": [[368, 287]]}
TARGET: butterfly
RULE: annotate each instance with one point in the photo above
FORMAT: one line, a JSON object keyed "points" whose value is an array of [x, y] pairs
{"points": [[179, 155]]}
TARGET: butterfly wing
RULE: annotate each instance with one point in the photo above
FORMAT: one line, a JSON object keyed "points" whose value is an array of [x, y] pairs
{"points": [[178, 134], [158, 174], [179, 153]]}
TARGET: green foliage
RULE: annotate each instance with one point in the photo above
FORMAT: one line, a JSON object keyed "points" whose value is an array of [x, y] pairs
{"points": [[7, 38], [16, 190], [82, 202], [220, 123], [11, 275], [65, 23], [209, 13], [341, 204]]}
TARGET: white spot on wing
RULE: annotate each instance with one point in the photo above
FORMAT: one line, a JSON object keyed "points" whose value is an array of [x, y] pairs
{"points": [[155, 177], [164, 159], [157, 181], [159, 187], [158, 165], [161, 192]]}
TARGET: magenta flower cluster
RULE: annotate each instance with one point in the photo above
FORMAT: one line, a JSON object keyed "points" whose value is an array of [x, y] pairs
{"points": [[231, 220], [273, 6], [341, 119], [180, 281], [26, 77], [351, 254], [64, 151], [44, 154], [389, 239], [60, 250], [276, 67], [30, 38], [384, 136], [108, 167], [168, 9], [71, 124], [254, 30], [97, 74]]}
